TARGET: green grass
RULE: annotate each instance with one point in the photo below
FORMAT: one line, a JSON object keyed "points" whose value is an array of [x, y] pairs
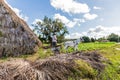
{"points": [[110, 51], [40, 54], [85, 70], [45, 53], [112, 70], [89, 46], [95, 46]]}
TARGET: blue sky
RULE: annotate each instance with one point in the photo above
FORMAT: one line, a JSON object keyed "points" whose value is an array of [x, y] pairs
{"points": [[94, 18]]}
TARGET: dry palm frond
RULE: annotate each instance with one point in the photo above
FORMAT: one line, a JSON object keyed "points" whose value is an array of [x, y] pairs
{"points": [[59, 67]]}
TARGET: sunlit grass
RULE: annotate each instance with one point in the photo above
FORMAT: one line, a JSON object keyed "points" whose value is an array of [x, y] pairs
{"points": [[95, 46], [85, 70], [112, 70], [89, 46]]}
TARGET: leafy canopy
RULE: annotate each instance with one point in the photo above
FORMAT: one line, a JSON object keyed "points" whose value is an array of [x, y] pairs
{"points": [[47, 27]]}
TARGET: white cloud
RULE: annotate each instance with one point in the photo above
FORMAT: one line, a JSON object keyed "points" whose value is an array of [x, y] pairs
{"points": [[98, 8], [62, 18], [79, 20], [73, 36], [18, 12], [89, 16], [37, 20], [67, 22], [101, 31], [70, 6], [97, 32]]}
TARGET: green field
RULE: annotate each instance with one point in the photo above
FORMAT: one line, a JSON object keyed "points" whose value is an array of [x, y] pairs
{"points": [[95, 46], [111, 53], [109, 50], [90, 46], [112, 70]]}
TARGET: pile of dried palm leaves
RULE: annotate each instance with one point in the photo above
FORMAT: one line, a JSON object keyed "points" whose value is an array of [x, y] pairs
{"points": [[60, 67]]}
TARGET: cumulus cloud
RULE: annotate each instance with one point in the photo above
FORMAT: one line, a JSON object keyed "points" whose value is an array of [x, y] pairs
{"points": [[102, 31], [67, 22], [70, 6], [18, 12], [89, 16], [73, 36], [97, 32], [62, 18], [98, 8]]}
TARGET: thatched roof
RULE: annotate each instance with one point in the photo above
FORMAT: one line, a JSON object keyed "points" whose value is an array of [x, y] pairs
{"points": [[17, 19], [16, 37]]}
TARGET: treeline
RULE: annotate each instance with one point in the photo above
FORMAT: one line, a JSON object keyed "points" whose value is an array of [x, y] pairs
{"points": [[110, 38]]}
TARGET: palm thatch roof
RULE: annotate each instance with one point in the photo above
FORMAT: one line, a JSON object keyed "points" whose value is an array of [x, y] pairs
{"points": [[16, 37]]}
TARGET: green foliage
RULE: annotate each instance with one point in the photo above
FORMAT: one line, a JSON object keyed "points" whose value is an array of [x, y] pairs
{"points": [[113, 37], [48, 27], [92, 40], [103, 39], [86, 39]]}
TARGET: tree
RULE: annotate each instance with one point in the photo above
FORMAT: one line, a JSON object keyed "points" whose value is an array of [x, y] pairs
{"points": [[102, 39], [113, 37], [48, 27], [86, 39], [92, 40]]}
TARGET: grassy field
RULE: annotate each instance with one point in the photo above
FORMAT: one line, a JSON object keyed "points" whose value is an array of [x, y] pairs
{"points": [[95, 46], [112, 70], [44, 53], [110, 51], [90, 46]]}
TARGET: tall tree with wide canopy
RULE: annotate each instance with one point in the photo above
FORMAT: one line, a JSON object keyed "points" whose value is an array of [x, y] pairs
{"points": [[48, 27]]}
